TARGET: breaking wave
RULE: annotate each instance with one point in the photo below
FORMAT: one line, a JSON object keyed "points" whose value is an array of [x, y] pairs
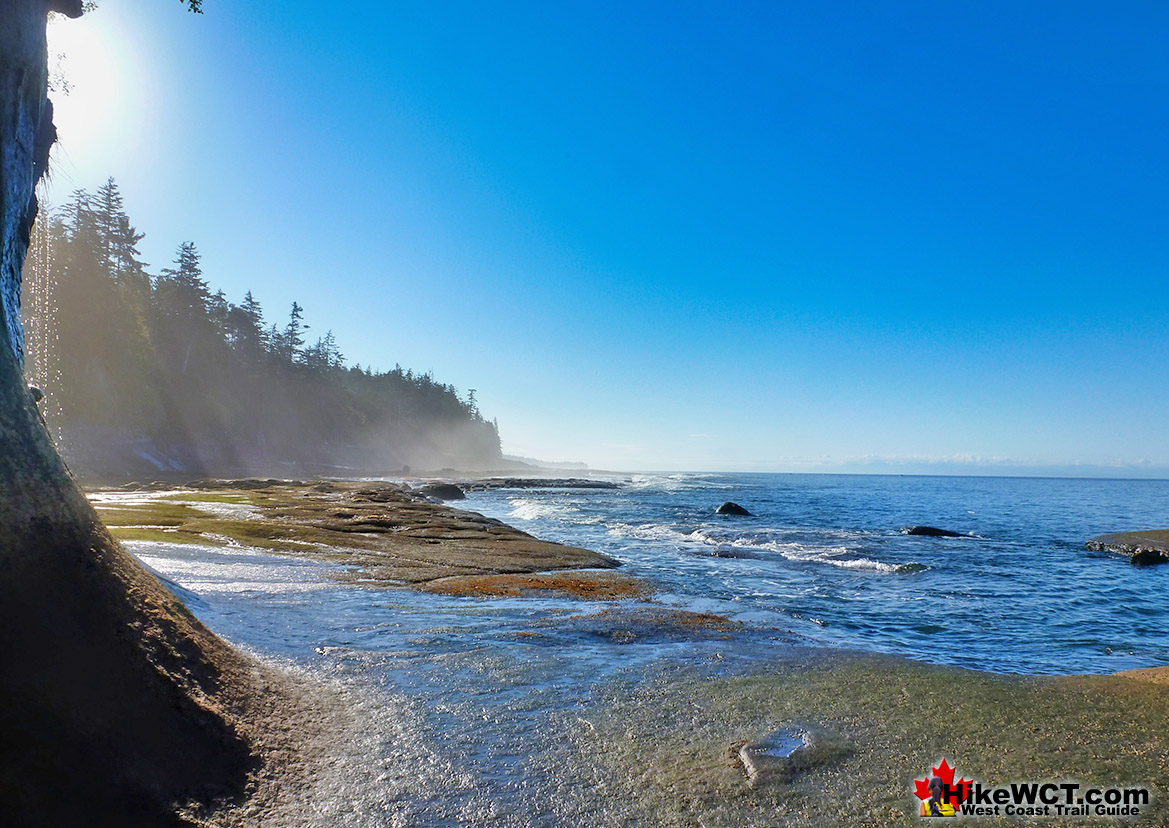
{"points": [[706, 538], [675, 482]]}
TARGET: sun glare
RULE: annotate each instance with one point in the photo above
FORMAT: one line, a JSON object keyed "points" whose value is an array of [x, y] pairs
{"points": [[85, 76]]}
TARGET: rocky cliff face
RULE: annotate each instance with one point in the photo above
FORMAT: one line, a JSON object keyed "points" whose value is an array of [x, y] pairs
{"points": [[113, 698], [22, 108]]}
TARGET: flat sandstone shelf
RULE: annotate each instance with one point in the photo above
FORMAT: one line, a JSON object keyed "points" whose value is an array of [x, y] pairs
{"points": [[387, 533]]}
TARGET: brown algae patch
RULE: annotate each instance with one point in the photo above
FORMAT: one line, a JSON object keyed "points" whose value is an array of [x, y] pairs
{"points": [[699, 620], [386, 534], [665, 617], [585, 585], [629, 625], [673, 746]]}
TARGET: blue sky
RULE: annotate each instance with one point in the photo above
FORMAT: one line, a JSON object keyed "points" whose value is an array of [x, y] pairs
{"points": [[757, 236]]}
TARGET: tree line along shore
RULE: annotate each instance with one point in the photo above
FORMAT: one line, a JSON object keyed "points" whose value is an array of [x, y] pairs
{"points": [[157, 372]]}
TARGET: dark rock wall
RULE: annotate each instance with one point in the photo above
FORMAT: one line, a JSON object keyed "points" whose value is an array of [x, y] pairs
{"points": [[23, 79]]}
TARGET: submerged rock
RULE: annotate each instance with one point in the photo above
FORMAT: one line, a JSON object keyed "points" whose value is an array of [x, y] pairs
{"points": [[910, 568], [782, 753], [730, 508], [930, 532], [443, 491], [582, 584], [619, 625], [1147, 548], [731, 552]]}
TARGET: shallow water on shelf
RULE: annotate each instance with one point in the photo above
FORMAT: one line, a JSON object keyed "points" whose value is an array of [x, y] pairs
{"points": [[472, 710], [476, 708]]}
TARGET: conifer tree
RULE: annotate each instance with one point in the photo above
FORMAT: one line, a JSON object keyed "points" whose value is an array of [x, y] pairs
{"points": [[327, 355], [274, 340], [293, 337], [116, 238], [217, 308], [182, 287], [245, 329], [107, 209], [253, 312]]}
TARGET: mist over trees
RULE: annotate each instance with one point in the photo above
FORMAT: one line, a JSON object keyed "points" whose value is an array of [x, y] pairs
{"points": [[159, 373]]}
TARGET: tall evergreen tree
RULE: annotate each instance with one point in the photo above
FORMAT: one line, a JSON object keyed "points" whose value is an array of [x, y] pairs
{"points": [[217, 308], [127, 267], [324, 355], [334, 359], [293, 337], [182, 287], [117, 239], [245, 328], [107, 207], [188, 320], [253, 312]]}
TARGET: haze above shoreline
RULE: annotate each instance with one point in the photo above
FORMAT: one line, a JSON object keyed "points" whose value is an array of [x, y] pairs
{"points": [[878, 469]]}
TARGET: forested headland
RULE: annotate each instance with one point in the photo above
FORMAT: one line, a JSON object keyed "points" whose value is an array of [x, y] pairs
{"points": [[158, 374]]}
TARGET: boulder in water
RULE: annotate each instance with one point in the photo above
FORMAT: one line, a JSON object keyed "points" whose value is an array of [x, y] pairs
{"points": [[782, 753], [729, 508], [1148, 557], [442, 491], [930, 532]]}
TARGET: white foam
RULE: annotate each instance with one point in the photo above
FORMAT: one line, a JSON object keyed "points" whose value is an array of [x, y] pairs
{"points": [[223, 511], [673, 482], [841, 556], [124, 498], [660, 532], [524, 508], [204, 571], [217, 509], [862, 563]]}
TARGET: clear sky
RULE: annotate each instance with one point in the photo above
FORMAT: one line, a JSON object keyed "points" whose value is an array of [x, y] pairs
{"points": [[742, 236]]}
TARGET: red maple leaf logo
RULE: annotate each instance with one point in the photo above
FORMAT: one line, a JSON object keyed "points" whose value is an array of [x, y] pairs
{"points": [[945, 772]]}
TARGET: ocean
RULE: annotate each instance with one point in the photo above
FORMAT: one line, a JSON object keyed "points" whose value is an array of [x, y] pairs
{"points": [[476, 711], [822, 557]]}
